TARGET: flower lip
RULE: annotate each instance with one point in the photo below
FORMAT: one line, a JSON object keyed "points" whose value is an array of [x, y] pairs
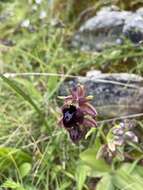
{"points": [[75, 133], [72, 116]]}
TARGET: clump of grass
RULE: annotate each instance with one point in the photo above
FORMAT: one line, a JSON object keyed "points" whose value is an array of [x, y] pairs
{"points": [[22, 127]]}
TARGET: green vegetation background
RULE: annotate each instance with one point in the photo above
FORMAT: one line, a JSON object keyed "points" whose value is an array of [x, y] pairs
{"points": [[35, 154]]}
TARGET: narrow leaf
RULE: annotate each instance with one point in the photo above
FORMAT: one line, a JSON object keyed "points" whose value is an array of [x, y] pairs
{"points": [[9, 183], [89, 157], [20, 92], [123, 180], [10, 156], [105, 183], [81, 174], [25, 169]]}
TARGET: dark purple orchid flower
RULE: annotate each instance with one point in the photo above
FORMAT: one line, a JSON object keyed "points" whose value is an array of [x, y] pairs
{"points": [[78, 114]]}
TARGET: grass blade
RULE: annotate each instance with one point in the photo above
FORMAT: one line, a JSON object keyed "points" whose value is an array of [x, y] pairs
{"points": [[21, 93]]}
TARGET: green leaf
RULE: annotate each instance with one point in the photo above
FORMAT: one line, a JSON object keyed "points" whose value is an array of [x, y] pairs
{"points": [[12, 157], [20, 92], [30, 87], [132, 168], [14, 85], [52, 81], [96, 174], [81, 174], [25, 169], [9, 183], [92, 130], [139, 170], [105, 183], [123, 180], [89, 157]]}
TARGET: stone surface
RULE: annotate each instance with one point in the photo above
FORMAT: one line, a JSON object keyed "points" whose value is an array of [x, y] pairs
{"points": [[109, 27], [115, 95]]}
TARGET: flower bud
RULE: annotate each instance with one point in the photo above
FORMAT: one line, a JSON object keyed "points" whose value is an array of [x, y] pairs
{"points": [[131, 136], [118, 131]]}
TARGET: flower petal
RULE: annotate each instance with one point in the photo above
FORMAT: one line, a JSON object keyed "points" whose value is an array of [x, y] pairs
{"points": [[89, 122], [68, 98], [118, 131], [119, 142], [74, 93], [131, 136], [112, 146], [81, 90], [90, 97], [89, 109], [75, 134], [79, 116], [78, 92]]}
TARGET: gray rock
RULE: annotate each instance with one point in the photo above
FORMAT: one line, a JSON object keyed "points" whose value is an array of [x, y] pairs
{"points": [[115, 95], [108, 27], [140, 11], [133, 28]]}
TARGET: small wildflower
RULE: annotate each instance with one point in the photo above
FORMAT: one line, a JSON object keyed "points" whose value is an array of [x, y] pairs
{"points": [[122, 125], [78, 113], [57, 23], [38, 2], [25, 23], [118, 131], [42, 15], [121, 134], [131, 136], [34, 7]]}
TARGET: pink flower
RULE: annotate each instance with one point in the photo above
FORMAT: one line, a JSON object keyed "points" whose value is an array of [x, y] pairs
{"points": [[78, 114]]}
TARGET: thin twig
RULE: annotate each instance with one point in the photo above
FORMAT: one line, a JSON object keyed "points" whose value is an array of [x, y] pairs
{"points": [[119, 118], [13, 75]]}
